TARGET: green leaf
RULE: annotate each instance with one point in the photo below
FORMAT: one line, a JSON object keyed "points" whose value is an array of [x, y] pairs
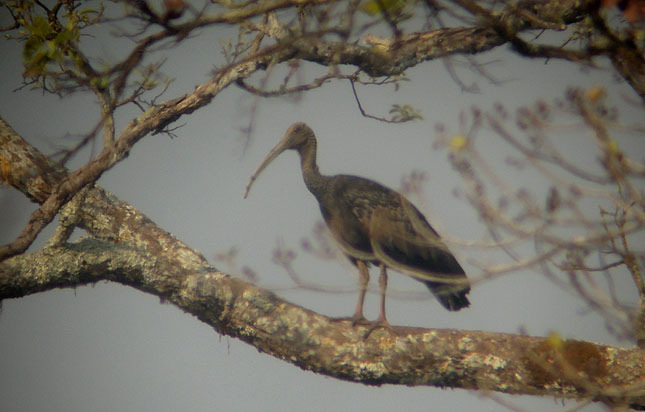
{"points": [[32, 44], [404, 113], [65, 36], [39, 27], [375, 7], [51, 49]]}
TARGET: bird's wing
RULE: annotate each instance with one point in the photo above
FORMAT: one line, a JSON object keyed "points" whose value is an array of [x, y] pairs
{"points": [[402, 239]]}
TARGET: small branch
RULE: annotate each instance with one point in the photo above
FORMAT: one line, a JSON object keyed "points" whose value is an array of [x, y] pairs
{"points": [[67, 188], [102, 215], [450, 68], [154, 120], [552, 158], [15, 24], [363, 112], [288, 90]]}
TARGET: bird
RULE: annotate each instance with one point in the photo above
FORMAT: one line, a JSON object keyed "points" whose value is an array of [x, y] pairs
{"points": [[375, 225]]}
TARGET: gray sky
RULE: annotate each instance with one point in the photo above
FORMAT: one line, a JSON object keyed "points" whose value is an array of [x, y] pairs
{"points": [[108, 347]]}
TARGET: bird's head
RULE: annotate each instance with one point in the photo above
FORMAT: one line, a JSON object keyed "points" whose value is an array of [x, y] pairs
{"points": [[297, 136]]}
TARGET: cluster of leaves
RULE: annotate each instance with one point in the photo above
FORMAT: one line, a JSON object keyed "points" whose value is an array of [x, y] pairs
{"points": [[396, 10], [50, 39], [404, 113]]}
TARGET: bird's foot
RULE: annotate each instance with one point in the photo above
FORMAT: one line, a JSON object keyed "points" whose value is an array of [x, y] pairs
{"points": [[377, 324], [372, 325], [354, 319]]}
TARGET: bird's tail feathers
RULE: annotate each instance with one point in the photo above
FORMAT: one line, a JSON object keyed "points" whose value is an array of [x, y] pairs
{"points": [[451, 297]]}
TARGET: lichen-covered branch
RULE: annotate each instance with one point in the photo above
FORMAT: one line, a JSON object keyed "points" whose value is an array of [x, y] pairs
{"points": [[625, 50], [153, 120], [401, 355], [101, 214]]}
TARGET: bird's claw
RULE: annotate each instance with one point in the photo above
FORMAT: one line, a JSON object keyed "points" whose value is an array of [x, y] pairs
{"points": [[372, 325], [377, 324], [355, 320]]}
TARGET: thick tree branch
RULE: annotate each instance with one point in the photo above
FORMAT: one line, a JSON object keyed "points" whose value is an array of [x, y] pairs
{"points": [[630, 63], [627, 59], [154, 120], [403, 355], [101, 214], [389, 57], [392, 56]]}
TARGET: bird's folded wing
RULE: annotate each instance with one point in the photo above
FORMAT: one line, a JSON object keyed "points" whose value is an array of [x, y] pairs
{"points": [[412, 247]]}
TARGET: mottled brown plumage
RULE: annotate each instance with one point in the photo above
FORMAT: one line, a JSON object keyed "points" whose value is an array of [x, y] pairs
{"points": [[375, 224]]}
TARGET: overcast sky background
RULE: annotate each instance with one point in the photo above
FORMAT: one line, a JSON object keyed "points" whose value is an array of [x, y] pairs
{"points": [[108, 347]]}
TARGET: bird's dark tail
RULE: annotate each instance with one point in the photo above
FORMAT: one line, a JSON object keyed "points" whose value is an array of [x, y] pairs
{"points": [[451, 297]]}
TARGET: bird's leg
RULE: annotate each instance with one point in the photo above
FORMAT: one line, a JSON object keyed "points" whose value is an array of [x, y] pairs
{"points": [[357, 317], [381, 322], [382, 284], [362, 290]]}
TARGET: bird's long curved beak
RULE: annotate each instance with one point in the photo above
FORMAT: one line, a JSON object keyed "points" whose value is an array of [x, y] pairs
{"points": [[279, 148]]}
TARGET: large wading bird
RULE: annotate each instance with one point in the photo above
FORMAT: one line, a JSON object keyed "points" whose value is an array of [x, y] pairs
{"points": [[375, 225]]}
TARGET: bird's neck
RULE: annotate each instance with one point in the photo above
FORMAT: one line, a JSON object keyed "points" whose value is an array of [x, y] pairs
{"points": [[313, 179]]}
